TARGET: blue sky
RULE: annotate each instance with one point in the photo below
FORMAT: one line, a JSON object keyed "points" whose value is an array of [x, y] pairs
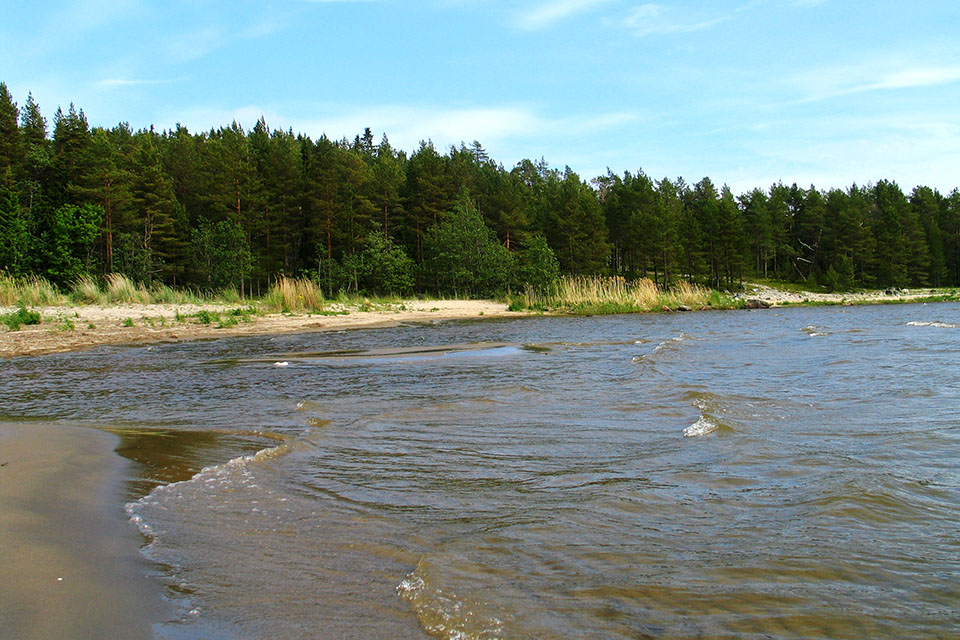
{"points": [[823, 92]]}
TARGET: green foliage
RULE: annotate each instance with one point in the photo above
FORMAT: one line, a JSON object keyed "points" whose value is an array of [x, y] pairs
{"points": [[221, 253], [539, 267], [839, 278], [19, 317], [15, 239], [464, 256], [385, 267], [73, 230]]}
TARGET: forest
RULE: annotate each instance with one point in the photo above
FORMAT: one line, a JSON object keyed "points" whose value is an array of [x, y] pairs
{"points": [[235, 208]]}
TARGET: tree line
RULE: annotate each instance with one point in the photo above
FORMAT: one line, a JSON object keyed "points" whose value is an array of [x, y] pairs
{"points": [[230, 207]]}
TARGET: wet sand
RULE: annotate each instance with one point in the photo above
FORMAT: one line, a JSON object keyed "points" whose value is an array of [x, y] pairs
{"points": [[71, 566]]}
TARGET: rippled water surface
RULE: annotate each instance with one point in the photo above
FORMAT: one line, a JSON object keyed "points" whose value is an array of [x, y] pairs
{"points": [[774, 474]]}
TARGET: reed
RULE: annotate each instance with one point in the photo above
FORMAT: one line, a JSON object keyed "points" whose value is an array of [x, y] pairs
{"points": [[294, 294]]}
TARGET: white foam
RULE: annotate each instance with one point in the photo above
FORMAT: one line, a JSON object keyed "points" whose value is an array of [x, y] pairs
{"points": [[672, 342], [701, 427], [940, 325], [442, 614]]}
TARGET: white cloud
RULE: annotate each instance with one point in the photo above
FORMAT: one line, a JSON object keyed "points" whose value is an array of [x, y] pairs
{"points": [[655, 19], [843, 81], [547, 13]]}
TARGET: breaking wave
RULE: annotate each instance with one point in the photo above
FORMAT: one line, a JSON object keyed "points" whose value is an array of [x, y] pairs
{"points": [[443, 614], [939, 325], [701, 427]]}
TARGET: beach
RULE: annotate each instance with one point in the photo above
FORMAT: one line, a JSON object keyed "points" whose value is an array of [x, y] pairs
{"points": [[71, 567], [78, 327]]}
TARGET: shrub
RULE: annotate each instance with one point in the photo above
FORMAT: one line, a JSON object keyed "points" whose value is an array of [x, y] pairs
{"points": [[20, 317]]}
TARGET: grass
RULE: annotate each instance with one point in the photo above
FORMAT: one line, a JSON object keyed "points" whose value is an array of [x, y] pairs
{"points": [[18, 318], [600, 295]]}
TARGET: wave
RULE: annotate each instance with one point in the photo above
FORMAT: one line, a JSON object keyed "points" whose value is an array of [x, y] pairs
{"points": [[443, 614], [939, 325], [665, 346], [701, 427], [234, 472], [733, 410]]}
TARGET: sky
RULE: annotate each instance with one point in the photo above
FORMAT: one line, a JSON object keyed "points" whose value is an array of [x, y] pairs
{"points": [[750, 92]]}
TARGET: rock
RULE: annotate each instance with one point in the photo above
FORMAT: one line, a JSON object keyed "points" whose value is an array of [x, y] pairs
{"points": [[757, 303], [684, 307]]}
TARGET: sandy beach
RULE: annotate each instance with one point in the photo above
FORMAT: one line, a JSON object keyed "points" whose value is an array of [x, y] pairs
{"points": [[71, 566], [155, 323]]}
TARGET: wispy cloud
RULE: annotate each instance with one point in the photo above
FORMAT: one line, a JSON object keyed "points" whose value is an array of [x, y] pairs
{"points": [[547, 13], [108, 83], [656, 19], [845, 81]]}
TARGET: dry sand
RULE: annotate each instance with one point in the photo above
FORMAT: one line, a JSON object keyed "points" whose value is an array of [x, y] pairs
{"points": [[96, 325], [69, 560]]}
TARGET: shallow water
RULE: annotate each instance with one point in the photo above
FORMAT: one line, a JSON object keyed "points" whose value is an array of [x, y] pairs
{"points": [[773, 474]]}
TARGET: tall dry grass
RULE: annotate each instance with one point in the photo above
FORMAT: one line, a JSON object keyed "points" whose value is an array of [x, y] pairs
{"points": [[117, 288], [596, 294], [122, 289], [294, 294], [29, 291]]}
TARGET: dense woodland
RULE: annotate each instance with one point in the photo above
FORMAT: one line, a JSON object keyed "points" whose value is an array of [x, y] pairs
{"points": [[239, 208]]}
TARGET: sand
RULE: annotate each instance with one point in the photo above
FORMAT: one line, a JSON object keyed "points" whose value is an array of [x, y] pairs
{"points": [[100, 325], [70, 565]]}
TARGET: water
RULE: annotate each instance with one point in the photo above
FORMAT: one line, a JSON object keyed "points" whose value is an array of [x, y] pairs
{"points": [[772, 474]]}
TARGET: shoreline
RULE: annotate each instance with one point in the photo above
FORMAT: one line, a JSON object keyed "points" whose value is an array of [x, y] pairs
{"points": [[72, 564], [74, 328]]}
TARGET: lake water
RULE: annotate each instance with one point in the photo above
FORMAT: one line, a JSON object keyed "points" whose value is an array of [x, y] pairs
{"points": [[789, 473]]}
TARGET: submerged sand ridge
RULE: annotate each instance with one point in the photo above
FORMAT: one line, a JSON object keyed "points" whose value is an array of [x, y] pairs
{"points": [[71, 566]]}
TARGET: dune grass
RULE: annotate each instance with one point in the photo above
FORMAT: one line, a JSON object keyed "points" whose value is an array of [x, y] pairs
{"points": [[29, 291]]}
